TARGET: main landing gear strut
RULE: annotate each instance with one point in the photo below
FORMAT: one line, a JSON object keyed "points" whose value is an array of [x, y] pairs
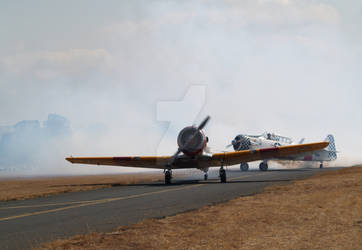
{"points": [[222, 174], [168, 176]]}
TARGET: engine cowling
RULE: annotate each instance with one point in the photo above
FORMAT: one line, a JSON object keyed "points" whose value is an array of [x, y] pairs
{"points": [[197, 143], [241, 143]]}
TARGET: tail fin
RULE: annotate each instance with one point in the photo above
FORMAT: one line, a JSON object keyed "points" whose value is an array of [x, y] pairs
{"points": [[331, 147]]}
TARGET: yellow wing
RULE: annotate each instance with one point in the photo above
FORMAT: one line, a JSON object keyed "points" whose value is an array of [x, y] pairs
{"points": [[232, 158], [203, 161], [128, 161]]}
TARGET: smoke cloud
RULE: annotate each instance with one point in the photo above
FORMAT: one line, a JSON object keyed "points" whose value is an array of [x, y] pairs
{"points": [[290, 67]]}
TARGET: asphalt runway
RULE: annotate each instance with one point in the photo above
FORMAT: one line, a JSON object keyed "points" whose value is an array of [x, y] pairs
{"points": [[26, 224]]}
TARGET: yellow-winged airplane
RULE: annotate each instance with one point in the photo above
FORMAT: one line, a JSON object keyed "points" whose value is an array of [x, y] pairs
{"points": [[192, 143]]}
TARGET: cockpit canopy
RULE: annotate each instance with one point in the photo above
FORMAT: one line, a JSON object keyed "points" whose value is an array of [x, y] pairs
{"points": [[279, 138]]}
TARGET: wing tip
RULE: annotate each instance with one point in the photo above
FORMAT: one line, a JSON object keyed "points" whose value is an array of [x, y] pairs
{"points": [[325, 144], [70, 159]]}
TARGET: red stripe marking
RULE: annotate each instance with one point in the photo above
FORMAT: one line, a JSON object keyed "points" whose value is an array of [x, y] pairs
{"points": [[126, 158], [308, 157], [264, 150]]}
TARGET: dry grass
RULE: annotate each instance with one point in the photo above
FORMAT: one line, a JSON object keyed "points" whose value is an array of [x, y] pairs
{"points": [[323, 212], [27, 188]]}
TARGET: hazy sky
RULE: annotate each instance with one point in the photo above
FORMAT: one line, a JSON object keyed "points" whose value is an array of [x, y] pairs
{"points": [[292, 67]]}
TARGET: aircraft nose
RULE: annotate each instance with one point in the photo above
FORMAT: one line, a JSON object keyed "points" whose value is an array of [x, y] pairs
{"points": [[241, 143]]}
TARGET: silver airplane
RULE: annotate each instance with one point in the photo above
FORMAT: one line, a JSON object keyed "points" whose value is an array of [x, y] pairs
{"points": [[267, 140]]}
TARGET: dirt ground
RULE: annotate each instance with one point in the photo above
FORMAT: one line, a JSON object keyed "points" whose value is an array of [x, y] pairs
{"points": [[322, 212], [27, 188]]}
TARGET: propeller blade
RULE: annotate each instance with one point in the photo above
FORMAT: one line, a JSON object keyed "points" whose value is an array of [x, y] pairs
{"points": [[229, 145], [203, 123]]}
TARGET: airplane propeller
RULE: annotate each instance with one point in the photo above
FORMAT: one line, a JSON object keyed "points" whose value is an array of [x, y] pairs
{"points": [[180, 149]]}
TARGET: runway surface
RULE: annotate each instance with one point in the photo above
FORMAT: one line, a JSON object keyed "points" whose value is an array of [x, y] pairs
{"points": [[26, 224]]}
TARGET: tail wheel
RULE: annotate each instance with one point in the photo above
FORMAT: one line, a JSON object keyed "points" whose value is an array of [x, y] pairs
{"points": [[244, 166]]}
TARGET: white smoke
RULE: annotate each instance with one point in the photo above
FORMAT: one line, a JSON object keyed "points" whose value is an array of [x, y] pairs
{"points": [[291, 67]]}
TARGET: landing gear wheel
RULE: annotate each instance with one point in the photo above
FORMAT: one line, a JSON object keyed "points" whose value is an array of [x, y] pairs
{"points": [[222, 174], [263, 166], [205, 177], [244, 166], [321, 166], [168, 177]]}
